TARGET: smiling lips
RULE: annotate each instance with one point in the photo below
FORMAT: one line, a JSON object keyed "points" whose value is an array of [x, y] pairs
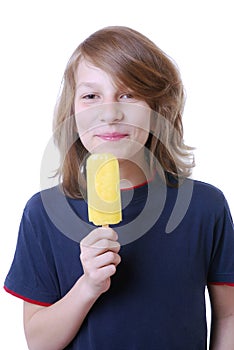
{"points": [[115, 136]]}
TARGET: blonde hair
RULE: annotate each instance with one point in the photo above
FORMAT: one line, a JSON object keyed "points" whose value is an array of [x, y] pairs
{"points": [[136, 62]]}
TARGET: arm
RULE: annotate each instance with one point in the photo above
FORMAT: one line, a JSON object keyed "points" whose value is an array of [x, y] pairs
{"points": [[222, 321], [54, 327]]}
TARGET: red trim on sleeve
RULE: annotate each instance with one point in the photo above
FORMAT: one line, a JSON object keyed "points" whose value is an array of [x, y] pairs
{"points": [[26, 299], [222, 284]]}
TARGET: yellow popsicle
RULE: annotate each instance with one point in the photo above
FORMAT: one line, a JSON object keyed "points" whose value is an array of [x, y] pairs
{"points": [[104, 202]]}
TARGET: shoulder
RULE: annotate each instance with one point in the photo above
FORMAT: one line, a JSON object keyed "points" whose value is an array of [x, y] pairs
{"points": [[34, 202], [208, 197], [194, 201], [200, 190], [36, 205], [51, 210], [197, 193], [207, 190]]}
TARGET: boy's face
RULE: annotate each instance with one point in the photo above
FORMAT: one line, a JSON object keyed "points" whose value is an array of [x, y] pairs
{"points": [[109, 119]]}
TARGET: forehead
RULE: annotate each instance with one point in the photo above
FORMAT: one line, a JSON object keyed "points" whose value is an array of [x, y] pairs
{"points": [[85, 66], [86, 70], [89, 74]]}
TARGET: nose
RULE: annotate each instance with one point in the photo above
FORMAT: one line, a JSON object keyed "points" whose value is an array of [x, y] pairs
{"points": [[110, 112]]}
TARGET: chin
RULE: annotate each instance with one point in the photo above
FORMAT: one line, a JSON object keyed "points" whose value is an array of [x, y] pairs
{"points": [[120, 149]]}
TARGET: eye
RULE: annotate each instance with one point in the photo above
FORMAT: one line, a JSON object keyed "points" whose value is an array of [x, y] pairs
{"points": [[90, 97], [126, 96]]}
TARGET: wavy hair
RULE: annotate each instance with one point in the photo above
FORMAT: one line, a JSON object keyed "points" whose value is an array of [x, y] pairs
{"points": [[136, 62]]}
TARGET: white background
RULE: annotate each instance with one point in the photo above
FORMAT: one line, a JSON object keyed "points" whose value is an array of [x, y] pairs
{"points": [[37, 38]]}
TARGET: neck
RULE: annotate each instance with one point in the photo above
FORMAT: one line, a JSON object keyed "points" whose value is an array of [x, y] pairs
{"points": [[133, 173]]}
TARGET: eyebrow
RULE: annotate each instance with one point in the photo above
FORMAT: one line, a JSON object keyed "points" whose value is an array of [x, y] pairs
{"points": [[88, 84]]}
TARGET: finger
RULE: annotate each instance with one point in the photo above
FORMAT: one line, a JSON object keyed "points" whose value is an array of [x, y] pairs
{"points": [[105, 244], [107, 258], [98, 234], [106, 272], [99, 248]]}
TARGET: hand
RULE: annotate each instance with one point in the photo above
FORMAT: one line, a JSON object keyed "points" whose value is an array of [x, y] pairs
{"points": [[99, 257]]}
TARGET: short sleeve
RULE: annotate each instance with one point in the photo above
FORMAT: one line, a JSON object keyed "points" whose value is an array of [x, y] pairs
{"points": [[31, 276], [221, 269]]}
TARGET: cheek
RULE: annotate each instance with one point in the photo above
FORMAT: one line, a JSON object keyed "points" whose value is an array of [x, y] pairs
{"points": [[83, 127], [137, 115], [85, 134], [143, 137], [141, 119], [84, 120]]}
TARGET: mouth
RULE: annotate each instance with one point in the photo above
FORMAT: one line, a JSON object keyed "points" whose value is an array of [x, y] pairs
{"points": [[115, 136]]}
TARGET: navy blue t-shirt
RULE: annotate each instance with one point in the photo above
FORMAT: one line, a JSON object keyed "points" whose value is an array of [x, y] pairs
{"points": [[173, 243]]}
